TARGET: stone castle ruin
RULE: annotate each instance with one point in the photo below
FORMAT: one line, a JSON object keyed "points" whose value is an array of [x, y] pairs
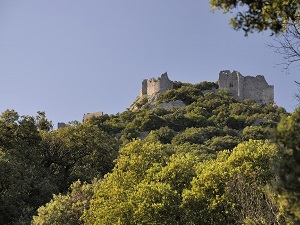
{"points": [[153, 86], [241, 87], [247, 87]]}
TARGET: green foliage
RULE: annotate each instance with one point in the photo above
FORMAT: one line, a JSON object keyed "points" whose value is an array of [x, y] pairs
{"points": [[187, 94], [206, 85], [210, 109], [197, 117], [111, 203], [151, 122], [255, 133], [42, 122], [179, 84], [66, 209], [259, 15], [177, 120], [109, 124], [81, 152], [179, 174], [163, 135], [24, 183], [200, 152], [147, 185], [222, 142], [288, 166], [141, 103], [155, 203], [178, 171], [153, 185], [216, 197], [36, 162], [201, 135]]}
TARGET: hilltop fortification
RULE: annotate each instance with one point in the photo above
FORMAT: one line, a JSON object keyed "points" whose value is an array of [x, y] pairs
{"points": [[247, 87], [153, 86], [241, 87]]}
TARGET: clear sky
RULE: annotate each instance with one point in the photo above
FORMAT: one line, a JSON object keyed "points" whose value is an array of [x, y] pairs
{"points": [[71, 57]]}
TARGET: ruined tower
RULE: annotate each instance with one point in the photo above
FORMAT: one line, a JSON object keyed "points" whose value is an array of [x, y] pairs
{"points": [[247, 87], [154, 86]]}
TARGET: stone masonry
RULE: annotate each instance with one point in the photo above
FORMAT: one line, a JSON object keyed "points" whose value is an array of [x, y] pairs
{"points": [[89, 115], [247, 87], [241, 87], [153, 86]]}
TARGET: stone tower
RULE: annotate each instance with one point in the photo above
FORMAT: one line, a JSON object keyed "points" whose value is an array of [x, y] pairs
{"points": [[153, 86]]}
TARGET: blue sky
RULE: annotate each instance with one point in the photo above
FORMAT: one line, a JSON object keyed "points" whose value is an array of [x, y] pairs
{"points": [[71, 57]]}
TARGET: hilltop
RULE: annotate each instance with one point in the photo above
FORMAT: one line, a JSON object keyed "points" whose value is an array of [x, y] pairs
{"points": [[178, 106], [192, 164], [241, 87]]}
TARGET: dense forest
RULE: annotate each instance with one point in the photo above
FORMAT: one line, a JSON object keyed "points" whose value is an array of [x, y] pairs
{"points": [[215, 161]]}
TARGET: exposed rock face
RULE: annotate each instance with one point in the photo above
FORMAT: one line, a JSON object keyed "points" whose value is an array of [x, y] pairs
{"points": [[247, 87], [143, 134], [172, 104], [258, 122]]}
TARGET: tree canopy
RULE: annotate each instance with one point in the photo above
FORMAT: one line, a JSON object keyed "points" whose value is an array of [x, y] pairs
{"points": [[259, 15], [209, 162]]}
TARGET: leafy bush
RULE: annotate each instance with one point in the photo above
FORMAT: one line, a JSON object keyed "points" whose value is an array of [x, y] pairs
{"points": [[67, 209]]}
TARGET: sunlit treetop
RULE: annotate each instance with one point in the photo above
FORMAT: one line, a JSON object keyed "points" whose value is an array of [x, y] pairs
{"points": [[259, 15]]}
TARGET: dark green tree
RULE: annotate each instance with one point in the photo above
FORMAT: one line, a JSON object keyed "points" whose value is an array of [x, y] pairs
{"points": [[288, 166], [24, 183], [66, 209], [80, 152], [259, 15]]}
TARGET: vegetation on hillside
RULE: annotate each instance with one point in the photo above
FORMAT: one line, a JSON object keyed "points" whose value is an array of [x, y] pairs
{"points": [[215, 161]]}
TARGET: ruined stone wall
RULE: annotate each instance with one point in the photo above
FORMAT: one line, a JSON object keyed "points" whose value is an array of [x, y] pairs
{"points": [[153, 86], [89, 115], [230, 81], [268, 95], [165, 83], [144, 87], [243, 87], [258, 89]]}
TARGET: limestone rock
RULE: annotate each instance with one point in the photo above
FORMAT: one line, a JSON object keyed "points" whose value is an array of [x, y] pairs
{"points": [[172, 104]]}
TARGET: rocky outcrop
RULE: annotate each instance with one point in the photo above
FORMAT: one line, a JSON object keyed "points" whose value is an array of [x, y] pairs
{"points": [[172, 104]]}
